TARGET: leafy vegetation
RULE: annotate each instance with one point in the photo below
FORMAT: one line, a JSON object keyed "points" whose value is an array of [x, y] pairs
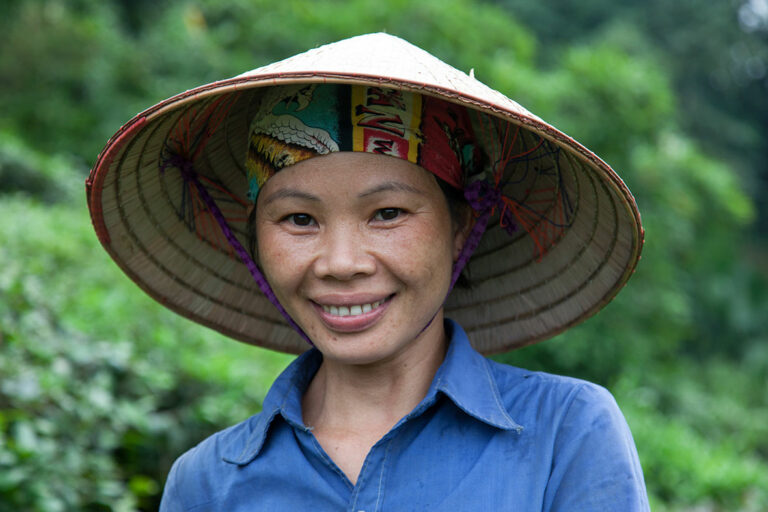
{"points": [[98, 378]]}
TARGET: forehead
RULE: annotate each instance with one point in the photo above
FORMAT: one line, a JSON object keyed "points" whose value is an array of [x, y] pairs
{"points": [[344, 173]]}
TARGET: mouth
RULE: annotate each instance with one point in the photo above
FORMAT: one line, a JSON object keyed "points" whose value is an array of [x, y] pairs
{"points": [[354, 310], [352, 317]]}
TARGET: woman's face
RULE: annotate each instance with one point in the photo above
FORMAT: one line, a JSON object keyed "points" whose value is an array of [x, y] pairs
{"points": [[359, 249]]}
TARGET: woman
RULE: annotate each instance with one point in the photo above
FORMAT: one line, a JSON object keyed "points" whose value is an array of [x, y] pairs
{"points": [[354, 183]]}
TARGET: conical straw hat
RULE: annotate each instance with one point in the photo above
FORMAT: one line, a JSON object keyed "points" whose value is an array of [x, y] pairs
{"points": [[579, 239]]}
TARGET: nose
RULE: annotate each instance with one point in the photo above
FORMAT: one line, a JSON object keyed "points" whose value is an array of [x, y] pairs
{"points": [[343, 254]]}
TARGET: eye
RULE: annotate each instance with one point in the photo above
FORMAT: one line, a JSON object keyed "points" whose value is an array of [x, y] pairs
{"points": [[300, 219], [387, 213]]}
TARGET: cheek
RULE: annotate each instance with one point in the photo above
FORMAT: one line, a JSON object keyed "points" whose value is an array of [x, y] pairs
{"points": [[426, 254], [275, 257]]}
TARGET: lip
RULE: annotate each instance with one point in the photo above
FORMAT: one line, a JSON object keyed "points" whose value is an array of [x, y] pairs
{"points": [[351, 323]]}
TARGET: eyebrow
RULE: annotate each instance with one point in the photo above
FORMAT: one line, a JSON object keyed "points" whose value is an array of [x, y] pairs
{"points": [[391, 186], [290, 193]]}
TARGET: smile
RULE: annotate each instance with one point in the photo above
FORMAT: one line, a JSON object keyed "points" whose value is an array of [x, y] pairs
{"points": [[351, 310], [352, 317]]}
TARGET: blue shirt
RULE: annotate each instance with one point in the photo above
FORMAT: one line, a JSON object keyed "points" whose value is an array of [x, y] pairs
{"points": [[485, 437]]}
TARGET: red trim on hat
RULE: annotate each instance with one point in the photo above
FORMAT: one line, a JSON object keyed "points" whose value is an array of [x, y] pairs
{"points": [[94, 183]]}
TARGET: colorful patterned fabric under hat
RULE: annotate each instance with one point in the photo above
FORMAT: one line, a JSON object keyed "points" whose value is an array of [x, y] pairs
{"points": [[301, 121]]}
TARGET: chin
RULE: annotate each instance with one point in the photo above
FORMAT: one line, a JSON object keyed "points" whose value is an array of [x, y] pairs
{"points": [[373, 348]]}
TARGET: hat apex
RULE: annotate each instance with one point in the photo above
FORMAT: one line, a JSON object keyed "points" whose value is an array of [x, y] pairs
{"points": [[384, 58]]}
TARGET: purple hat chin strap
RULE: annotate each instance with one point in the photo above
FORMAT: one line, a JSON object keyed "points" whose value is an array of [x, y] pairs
{"points": [[470, 244], [484, 199], [189, 174]]}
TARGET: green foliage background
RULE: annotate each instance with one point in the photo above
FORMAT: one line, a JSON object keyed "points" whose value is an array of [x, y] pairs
{"points": [[101, 388]]}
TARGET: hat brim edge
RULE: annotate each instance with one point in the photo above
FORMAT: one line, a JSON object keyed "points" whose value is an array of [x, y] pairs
{"points": [[119, 141]]}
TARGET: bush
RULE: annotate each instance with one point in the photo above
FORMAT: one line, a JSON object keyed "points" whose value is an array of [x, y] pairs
{"points": [[700, 430], [99, 392]]}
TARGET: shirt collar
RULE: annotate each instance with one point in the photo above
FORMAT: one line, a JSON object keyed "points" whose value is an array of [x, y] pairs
{"points": [[465, 377], [284, 399]]}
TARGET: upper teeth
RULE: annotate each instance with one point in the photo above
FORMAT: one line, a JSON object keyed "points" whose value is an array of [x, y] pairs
{"points": [[351, 310]]}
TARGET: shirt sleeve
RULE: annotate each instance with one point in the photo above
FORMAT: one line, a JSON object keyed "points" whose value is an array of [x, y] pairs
{"points": [[170, 501], [595, 465]]}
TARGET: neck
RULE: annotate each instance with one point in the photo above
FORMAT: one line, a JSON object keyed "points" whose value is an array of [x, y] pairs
{"points": [[373, 397]]}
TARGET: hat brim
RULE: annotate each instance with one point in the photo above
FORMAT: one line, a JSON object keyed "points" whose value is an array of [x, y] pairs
{"points": [[521, 293]]}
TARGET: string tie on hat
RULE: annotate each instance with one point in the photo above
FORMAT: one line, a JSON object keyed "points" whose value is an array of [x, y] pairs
{"points": [[483, 197], [186, 168], [183, 165]]}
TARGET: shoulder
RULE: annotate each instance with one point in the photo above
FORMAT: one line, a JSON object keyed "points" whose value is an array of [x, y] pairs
{"points": [[199, 475], [523, 391], [578, 427], [562, 412]]}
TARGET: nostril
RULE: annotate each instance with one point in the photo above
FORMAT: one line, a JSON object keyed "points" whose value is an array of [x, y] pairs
{"points": [[344, 259]]}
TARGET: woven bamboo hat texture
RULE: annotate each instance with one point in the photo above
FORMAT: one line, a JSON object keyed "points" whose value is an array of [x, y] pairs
{"points": [[576, 239]]}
